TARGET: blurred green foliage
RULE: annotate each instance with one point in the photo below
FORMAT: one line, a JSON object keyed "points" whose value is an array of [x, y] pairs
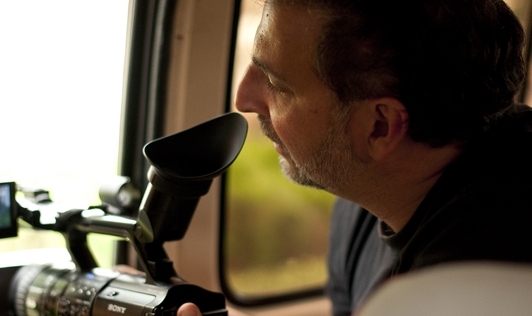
{"points": [[276, 231]]}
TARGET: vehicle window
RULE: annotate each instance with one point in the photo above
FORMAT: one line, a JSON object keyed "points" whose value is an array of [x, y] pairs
{"points": [[523, 9], [276, 232], [61, 69]]}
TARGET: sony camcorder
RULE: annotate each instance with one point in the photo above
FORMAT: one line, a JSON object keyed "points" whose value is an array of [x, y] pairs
{"points": [[182, 167]]}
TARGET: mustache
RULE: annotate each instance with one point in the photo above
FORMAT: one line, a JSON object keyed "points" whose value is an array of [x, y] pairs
{"points": [[267, 129]]}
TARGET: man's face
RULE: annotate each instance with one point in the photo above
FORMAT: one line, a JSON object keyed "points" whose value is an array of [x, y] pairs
{"points": [[296, 110]]}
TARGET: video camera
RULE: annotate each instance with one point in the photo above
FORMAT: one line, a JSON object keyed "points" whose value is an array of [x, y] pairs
{"points": [[182, 167]]}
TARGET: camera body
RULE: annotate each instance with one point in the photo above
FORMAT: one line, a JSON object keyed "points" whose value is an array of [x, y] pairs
{"points": [[60, 289], [182, 168]]}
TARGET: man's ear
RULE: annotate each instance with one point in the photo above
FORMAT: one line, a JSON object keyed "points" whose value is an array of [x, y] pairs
{"points": [[389, 120]]}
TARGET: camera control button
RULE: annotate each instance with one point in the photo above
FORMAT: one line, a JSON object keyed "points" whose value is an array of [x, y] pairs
{"points": [[113, 293]]}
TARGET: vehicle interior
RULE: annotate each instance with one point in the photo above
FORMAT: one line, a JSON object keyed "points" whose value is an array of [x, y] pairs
{"points": [[85, 85]]}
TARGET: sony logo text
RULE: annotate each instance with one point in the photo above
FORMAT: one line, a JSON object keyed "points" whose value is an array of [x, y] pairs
{"points": [[116, 308]]}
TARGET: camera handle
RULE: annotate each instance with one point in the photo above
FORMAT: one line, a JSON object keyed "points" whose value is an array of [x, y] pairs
{"points": [[75, 226]]}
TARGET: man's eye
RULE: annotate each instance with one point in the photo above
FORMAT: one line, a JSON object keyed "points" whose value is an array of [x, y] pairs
{"points": [[273, 87]]}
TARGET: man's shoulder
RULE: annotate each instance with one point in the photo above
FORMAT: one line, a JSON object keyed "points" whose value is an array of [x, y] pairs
{"points": [[482, 215], [485, 221]]}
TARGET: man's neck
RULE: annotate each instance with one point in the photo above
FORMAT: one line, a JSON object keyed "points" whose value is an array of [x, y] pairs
{"points": [[395, 188]]}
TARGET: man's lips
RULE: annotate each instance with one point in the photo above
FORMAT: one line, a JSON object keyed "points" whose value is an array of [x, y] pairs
{"points": [[267, 130], [280, 149]]}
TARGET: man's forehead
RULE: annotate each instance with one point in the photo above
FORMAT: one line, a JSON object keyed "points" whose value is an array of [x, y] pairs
{"points": [[278, 36], [288, 24], [286, 41]]}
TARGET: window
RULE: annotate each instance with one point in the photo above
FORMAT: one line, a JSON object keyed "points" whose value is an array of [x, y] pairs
{"points": [[523, 9], [276, 232], [61, 69]]}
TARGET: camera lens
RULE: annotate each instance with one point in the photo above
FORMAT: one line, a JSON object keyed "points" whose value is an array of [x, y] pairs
{"points": [[38, 288]]}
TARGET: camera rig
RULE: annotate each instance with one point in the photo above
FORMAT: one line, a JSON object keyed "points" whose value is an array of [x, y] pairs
{"points": [[182, 167]]}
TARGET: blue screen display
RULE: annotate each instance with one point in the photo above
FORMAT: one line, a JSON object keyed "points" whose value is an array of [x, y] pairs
{"points": [[8, 223], [5, 205]]}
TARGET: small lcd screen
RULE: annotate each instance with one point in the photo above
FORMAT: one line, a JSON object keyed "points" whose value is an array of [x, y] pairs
{"points": [[8, 210]]}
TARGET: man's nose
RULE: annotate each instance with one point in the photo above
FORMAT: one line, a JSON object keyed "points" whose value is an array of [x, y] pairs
{"points": [[250, 96]]}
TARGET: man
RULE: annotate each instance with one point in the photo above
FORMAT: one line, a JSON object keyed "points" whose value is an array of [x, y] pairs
{"points": [[406, 109]]}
